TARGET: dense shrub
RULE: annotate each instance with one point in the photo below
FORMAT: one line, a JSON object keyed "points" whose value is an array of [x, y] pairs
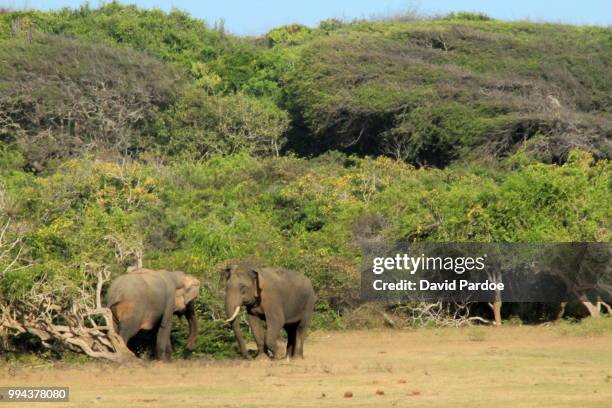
{"points": [[310, 216], [291, 34], [463, 15], [409, 89], [59, 97], [359, 86], [173, 36], [149, 135], [200, 125]]}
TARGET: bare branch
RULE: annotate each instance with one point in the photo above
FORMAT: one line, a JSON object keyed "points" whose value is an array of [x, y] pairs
{"points": [[61, 324]]}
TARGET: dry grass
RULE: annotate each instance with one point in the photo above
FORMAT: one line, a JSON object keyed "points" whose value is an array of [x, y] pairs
{"points": [[505, 367]]}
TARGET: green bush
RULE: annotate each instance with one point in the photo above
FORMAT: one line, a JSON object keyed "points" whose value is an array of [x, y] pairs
{"points": [[201, 125], [61, 97], [173, 36], [291, 34], [357, 87], [128, 133], [466, 15], [408, 89], [307, 215]]}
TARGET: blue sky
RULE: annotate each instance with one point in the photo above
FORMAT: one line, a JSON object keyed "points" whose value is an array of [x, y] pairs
{"points": [[258, 16]]}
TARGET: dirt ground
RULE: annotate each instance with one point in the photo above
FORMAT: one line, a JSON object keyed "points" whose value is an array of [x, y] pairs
{"points": [[471, 367]]}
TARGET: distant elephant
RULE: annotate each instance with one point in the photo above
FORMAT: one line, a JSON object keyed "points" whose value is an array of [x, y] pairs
{"points": [[278, 297], [147, 299]]}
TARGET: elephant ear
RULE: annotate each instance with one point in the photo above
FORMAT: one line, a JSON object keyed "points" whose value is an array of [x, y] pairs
{"points": [[186, 292], [192, 288], [259, 279], [179, 300]]}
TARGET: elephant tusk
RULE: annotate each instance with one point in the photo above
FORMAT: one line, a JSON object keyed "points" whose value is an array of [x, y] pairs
{"points": [[231, 319]]}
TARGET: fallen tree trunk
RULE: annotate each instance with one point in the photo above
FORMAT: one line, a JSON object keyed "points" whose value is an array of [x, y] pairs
{"points": [[85, 327]]}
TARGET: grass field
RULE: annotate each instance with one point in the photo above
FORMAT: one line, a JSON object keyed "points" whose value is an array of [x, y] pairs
{"points": [[555, 366]]}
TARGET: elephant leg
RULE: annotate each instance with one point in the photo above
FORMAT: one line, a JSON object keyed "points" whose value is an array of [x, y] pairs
{"points": [[291, 330], [127, 330], [273, 330], [163, 347], [152, 343], [302, 327], [259, 333], [300, 333], [126, 321]]}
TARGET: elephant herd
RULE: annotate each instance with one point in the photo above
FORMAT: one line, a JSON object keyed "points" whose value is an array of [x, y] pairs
{"points": [[145, 301]]}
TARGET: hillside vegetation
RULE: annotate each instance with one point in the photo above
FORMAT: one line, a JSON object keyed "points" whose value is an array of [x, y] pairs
{"points": [[131, 134]]}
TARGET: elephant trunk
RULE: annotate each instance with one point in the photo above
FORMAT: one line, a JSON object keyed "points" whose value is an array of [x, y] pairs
{"points": [[239, 338], [193, 326], [232, 308], [233, 302]]}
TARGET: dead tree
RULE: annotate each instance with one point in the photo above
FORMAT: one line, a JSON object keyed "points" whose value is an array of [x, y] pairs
{"points": [[585, 279], [440, 314], [84, 326], [496, 305], [62, 317]]}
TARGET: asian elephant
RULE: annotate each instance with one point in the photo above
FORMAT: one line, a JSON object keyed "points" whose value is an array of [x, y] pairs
{"points": [[281, 298], [146, 299]]}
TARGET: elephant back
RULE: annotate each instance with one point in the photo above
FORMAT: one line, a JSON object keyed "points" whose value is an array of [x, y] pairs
{"points": [[132, 285]]}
